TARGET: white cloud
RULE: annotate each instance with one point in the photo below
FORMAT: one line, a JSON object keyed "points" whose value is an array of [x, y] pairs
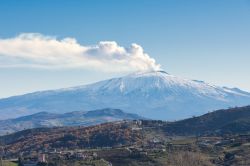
{"points": [[37, 50]]}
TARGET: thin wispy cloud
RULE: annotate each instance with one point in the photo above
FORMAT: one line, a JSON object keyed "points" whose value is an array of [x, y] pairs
{"points": [[41, 51]]}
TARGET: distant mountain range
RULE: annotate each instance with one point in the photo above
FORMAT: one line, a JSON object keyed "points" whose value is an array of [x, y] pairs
{"points": [[81, 118], [154, 95]]}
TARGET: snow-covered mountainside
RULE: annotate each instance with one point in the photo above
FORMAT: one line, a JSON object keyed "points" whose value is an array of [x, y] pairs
{"points": [[155, 95]]}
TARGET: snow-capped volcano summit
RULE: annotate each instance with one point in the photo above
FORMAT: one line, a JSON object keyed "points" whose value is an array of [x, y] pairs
{"points": [[155, 95]]}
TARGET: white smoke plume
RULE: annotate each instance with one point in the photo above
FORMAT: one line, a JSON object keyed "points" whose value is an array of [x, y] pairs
{"points": [[40, 51]]}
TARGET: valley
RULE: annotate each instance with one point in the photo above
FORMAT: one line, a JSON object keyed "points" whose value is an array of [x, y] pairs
{"points": [[140, 142]]}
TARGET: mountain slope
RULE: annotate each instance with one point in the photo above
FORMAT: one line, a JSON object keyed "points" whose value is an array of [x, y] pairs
{"points": [[155, 95], [226, 121], [45, 119], [103, 135]]}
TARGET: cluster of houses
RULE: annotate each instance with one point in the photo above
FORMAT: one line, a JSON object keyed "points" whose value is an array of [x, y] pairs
{"points": [[34, 161], [56, 155]]}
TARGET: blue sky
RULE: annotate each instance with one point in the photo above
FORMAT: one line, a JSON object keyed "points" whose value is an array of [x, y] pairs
{"points": [[199, 39]]}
